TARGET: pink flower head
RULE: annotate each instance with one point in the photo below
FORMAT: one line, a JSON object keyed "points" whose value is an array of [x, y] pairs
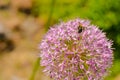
{"points": [[76, 50]]}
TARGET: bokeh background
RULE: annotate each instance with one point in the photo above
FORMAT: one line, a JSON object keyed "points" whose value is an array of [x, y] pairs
{"points": [[23, 23]]}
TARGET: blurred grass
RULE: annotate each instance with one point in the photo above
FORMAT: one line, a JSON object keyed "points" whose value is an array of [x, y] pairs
{"points": [[115, 70], [99, 11]]}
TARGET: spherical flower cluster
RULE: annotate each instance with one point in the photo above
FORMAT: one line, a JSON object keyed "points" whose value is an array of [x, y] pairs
{"points": [[76, 50]]}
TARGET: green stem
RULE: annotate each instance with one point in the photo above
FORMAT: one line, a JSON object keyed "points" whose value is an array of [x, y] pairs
{"points": [[50, 14], [36, 67], [37, 64]]}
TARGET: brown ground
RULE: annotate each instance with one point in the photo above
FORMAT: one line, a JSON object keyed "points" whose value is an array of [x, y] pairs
{"points": [[18, 64]]}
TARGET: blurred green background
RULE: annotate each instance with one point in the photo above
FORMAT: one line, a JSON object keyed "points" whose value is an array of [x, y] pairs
{"points": [[46, 13]]}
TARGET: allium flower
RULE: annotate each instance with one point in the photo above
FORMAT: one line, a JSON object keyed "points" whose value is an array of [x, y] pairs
{"points": [[76, 50]]}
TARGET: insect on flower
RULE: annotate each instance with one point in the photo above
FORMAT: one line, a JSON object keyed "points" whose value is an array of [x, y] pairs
{"points": [[80, 28]]}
